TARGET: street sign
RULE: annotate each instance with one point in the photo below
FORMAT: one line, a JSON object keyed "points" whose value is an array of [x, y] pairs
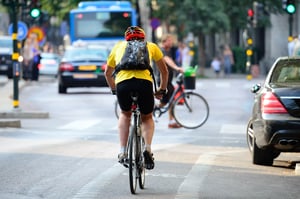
{"points": [[22, 30], [38, 31]]}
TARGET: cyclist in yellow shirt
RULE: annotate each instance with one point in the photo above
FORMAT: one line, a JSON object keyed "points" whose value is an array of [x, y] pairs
{"points": [[140, 81]]}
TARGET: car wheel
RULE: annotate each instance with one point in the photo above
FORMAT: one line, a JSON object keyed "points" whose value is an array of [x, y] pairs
{"points": [[62, 89], [250, 136], [262, 156]]}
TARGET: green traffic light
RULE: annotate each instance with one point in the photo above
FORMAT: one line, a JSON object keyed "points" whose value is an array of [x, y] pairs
{"points": [[291, 9], [35, 13]]}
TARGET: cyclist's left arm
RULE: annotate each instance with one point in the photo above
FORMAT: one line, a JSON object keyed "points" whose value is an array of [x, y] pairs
{"points": [[109, 78]]}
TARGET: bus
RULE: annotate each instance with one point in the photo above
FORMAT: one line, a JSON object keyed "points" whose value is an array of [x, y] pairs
{"points": [[101, 22]]}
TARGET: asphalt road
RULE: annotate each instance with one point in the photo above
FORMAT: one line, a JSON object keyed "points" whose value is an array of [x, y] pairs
{"points": [[72, 154]]}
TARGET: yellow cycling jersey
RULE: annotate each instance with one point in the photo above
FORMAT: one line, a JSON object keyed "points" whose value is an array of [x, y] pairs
{"points": [[116, 55]]}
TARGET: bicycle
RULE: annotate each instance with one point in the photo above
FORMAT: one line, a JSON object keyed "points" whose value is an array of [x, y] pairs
{"points": [[135, 146], [189, 109]]}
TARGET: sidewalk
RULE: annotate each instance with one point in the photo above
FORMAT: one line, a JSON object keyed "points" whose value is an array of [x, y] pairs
{"points": [[10, 116], [210, 73]]}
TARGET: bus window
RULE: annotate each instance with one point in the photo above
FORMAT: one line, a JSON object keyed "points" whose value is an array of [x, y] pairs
{"points": [[101, 24]]}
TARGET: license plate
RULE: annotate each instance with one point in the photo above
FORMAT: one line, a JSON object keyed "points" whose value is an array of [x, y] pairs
{"points": [[91, 67], [3, 67], [85, 76]]}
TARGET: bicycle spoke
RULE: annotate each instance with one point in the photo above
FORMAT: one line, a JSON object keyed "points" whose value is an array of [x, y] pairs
{"points": [[193, 113]]}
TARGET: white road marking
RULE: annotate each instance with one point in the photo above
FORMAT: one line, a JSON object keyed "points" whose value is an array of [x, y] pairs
{"points": [[223, 84], [94, 188], [233, 129], [79, 125], [189, 188]]}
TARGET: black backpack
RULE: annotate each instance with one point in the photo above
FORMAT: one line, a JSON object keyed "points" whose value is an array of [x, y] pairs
{"points": [[136, 57]]}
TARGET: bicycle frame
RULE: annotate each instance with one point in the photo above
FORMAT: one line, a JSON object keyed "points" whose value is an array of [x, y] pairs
{"points": [[158, 111]]}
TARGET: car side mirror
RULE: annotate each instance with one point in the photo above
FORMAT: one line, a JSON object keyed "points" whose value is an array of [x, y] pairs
{"points": [[255, 88]]}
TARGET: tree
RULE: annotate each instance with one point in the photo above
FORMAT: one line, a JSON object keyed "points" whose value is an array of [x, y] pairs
{"points": [[201, 17], [207, 17], [59, 8]]}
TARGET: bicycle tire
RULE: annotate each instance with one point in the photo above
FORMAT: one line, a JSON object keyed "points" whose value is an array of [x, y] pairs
{"points": [[132, 160], [141, 167], [193, 112]]}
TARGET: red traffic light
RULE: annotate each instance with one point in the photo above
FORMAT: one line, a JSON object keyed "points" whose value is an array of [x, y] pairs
{"points": [[250, 12]]}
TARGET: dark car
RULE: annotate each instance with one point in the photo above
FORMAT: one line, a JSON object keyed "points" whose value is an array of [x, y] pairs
{"points": [[274, 126], [6, 49], [49, 64], [82, 67]]}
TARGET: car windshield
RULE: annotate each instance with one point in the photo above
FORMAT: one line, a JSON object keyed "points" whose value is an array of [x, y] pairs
{"points": [[6, 43], [86, 53], [286, 72]]}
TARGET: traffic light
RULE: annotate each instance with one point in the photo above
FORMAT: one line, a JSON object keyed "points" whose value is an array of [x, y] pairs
{"points": [[35, 12], [289, 6], [250, 17], [35, 9]]}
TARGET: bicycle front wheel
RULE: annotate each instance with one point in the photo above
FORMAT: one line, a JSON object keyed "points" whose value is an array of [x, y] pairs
{"points": [[190, 110], [132, 160]]}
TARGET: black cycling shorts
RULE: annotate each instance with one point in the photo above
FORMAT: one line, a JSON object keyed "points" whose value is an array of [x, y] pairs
{"points": [[143, 87]]}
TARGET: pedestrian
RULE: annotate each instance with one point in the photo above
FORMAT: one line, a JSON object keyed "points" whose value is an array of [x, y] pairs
{"points": [[27, 60], [36, 56], [296, 49], [216, 65], [167, 44], [126, 81], [228, 60], [48, 47]]}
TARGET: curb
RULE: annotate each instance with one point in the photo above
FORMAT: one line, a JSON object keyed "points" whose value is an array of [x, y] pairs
{"points": [[10, 123], [24, 115], [8, 118]]}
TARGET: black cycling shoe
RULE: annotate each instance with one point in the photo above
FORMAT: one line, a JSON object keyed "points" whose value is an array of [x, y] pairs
{"points": [[149, 160], [122, 157]]}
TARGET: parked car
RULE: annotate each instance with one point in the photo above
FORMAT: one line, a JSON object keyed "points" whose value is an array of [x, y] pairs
{"points": [[82, 67], [49, 64], [274, 126], [6, 50]]}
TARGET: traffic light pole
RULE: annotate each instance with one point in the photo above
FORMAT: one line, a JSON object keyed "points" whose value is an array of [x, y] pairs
{"points": [[14, 5], [15, 57], [290, 25]]}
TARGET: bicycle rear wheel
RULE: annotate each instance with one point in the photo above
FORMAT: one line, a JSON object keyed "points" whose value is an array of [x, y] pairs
{"points": [[132, 160], [190, 110]]}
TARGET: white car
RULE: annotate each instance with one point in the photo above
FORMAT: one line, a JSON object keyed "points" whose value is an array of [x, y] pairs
{"points": [[49, 64]]}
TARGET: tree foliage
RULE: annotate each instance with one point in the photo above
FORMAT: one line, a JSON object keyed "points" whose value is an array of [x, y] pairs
{"points": [[207, 17], [58, 8]]}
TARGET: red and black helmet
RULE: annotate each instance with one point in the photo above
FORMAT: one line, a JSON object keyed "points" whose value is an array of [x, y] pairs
{"points": [[134, 32]]}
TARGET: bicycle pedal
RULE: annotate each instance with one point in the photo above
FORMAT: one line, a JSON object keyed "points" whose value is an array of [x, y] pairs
{"points": [[125, 165]]}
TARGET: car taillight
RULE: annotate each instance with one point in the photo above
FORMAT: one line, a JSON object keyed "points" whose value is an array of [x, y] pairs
{"points": [[40, 66], [66, 67], [271, 105]]}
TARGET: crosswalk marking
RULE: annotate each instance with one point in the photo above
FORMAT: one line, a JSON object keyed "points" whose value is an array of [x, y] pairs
{"points": [[223, 84], [79, 125], [189, 188]]}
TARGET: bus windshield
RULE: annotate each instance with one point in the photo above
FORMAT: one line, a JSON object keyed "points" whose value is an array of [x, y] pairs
{"points": [[93, 25]]}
